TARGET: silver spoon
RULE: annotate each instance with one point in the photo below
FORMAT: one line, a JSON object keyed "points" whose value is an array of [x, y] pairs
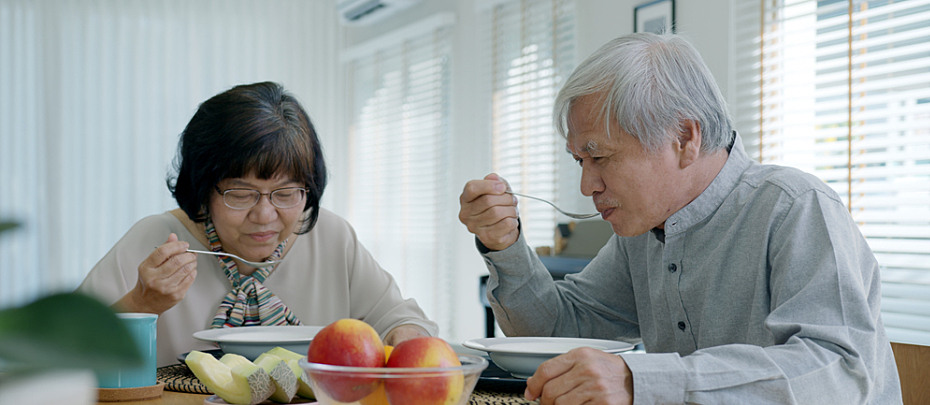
{"points": [[567, 214], [268, 263]]}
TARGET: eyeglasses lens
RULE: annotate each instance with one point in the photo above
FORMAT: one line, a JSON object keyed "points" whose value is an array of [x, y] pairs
{"points": [[287, 197], [245, 199]]}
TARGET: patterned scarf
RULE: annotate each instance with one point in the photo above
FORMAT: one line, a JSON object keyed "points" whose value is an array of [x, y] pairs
{"points": [[248, 303]]}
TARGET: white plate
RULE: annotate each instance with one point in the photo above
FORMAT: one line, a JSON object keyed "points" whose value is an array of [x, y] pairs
{"points": [[538, 345], [520, 356], [252, 341]]}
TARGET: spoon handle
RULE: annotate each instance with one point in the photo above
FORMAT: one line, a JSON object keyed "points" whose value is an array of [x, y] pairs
{"points": [[568, 214], [250, 263], [209, 253]]}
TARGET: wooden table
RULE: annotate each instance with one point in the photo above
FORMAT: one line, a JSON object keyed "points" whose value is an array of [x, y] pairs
{"points": [[167, 398], [181, 398]]}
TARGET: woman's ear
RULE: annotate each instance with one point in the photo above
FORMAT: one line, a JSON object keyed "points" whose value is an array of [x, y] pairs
{"points": [[689, 143]]}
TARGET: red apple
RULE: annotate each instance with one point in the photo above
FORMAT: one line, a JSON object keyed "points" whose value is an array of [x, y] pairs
{"points": [[347, 342], [425, 352], [379, 397]]}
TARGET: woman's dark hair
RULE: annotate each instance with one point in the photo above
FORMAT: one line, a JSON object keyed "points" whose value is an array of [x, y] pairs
{"points": [[255, 129]]}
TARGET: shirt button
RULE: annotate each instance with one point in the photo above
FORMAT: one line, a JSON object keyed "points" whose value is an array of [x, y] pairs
{"points": [[672, 267], [681, 325]]}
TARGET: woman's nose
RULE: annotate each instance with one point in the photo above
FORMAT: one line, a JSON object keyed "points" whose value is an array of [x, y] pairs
{"points": [[263, 211]]}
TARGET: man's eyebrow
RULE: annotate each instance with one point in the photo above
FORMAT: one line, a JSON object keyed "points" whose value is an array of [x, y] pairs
{"points": [[590, 148]]}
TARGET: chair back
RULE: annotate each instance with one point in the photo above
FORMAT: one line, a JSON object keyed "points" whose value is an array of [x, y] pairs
{"points": [[914, 371]]}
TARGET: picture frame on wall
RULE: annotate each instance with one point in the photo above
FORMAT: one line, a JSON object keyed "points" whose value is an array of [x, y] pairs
{"points": [[656, 16]]}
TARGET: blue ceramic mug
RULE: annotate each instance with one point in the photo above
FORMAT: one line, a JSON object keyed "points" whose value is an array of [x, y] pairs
{"points": [[142, 328]]}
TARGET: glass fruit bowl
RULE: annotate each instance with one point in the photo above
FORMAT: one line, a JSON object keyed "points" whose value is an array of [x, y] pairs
{"points": [[335, 385]]}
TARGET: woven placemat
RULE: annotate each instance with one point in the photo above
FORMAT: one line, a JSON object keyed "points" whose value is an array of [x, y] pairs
{"points": [[481, 397], [179, 378]]}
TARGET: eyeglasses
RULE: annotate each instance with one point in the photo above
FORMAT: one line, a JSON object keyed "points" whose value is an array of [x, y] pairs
{"points": [[243, 198]]}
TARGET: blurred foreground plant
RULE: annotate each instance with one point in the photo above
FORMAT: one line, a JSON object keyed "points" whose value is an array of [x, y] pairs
{"points": [[63, 331]]}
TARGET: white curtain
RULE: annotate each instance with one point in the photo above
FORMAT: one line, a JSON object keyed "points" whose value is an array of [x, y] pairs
{"points": [[841, 89], [401, 199], [531, 48], [93, 96]]}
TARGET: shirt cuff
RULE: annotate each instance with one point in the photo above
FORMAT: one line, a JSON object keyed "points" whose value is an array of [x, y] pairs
{"points": [[484, 249], [658, 378], [517, 261], [481, 247]]}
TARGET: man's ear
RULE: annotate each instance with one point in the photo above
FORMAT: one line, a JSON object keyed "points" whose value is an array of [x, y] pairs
{"points": [[689, 143]]}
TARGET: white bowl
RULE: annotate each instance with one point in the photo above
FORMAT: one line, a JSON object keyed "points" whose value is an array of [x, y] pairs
{"points": [[520, 356], [252, 341]]}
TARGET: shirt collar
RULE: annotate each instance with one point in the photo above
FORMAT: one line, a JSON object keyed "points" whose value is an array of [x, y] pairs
{"points": [[711, 198]]}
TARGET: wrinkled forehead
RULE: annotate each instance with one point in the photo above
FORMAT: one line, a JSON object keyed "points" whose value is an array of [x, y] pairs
{"points": [[587, 113], [586, 110], [587, 125]]}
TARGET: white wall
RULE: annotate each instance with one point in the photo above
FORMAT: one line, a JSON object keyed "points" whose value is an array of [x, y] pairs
{"points": [[93, 96], [316, 77], [598, 22]]}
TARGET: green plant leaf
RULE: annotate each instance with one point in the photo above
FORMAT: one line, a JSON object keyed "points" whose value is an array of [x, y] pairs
{"points": [[67, 330], [7, 225]]}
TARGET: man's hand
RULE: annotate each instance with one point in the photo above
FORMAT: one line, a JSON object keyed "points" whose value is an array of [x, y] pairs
{"points": [[582, 376], [489, 212], [164, 278]]}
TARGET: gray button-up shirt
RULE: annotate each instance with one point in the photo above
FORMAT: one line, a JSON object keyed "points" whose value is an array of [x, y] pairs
{"points": [[763, 291]]}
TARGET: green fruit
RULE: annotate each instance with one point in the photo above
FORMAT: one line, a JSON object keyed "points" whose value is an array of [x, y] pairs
{"points": [[303, 380], [285, 354], [284, 379], [304, 390], [243, 384], [233, 360]]}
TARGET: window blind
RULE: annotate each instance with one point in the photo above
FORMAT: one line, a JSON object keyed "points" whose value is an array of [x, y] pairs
{"points": [[399, 152], [93, 96], [532, 52], [841, 89]]}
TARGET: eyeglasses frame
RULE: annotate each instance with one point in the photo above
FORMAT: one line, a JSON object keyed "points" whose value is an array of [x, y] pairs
{"points": [[222, 193]]}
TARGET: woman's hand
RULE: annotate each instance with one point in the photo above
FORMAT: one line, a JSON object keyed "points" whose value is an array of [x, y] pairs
{"points": [[164, 278], [404, 332]]}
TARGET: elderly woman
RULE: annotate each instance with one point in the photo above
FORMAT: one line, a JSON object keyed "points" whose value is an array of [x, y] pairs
{"points": [[250, 174]]}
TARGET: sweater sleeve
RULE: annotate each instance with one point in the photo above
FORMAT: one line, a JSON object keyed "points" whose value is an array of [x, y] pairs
{"points": [[375, 296], [116, 273], [595, 303]]}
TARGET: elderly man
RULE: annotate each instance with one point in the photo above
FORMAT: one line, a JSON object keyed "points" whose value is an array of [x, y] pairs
{"points": [[746, 283]]}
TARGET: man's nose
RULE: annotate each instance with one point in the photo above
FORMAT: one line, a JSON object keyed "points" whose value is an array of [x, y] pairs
{"points": [[590, 180]]}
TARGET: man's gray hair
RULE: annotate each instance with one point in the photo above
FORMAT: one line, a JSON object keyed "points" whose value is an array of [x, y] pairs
{"points": [[650, 84]]}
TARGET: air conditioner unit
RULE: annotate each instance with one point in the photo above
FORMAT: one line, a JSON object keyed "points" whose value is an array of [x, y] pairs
{"points": [[361, 12]]}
